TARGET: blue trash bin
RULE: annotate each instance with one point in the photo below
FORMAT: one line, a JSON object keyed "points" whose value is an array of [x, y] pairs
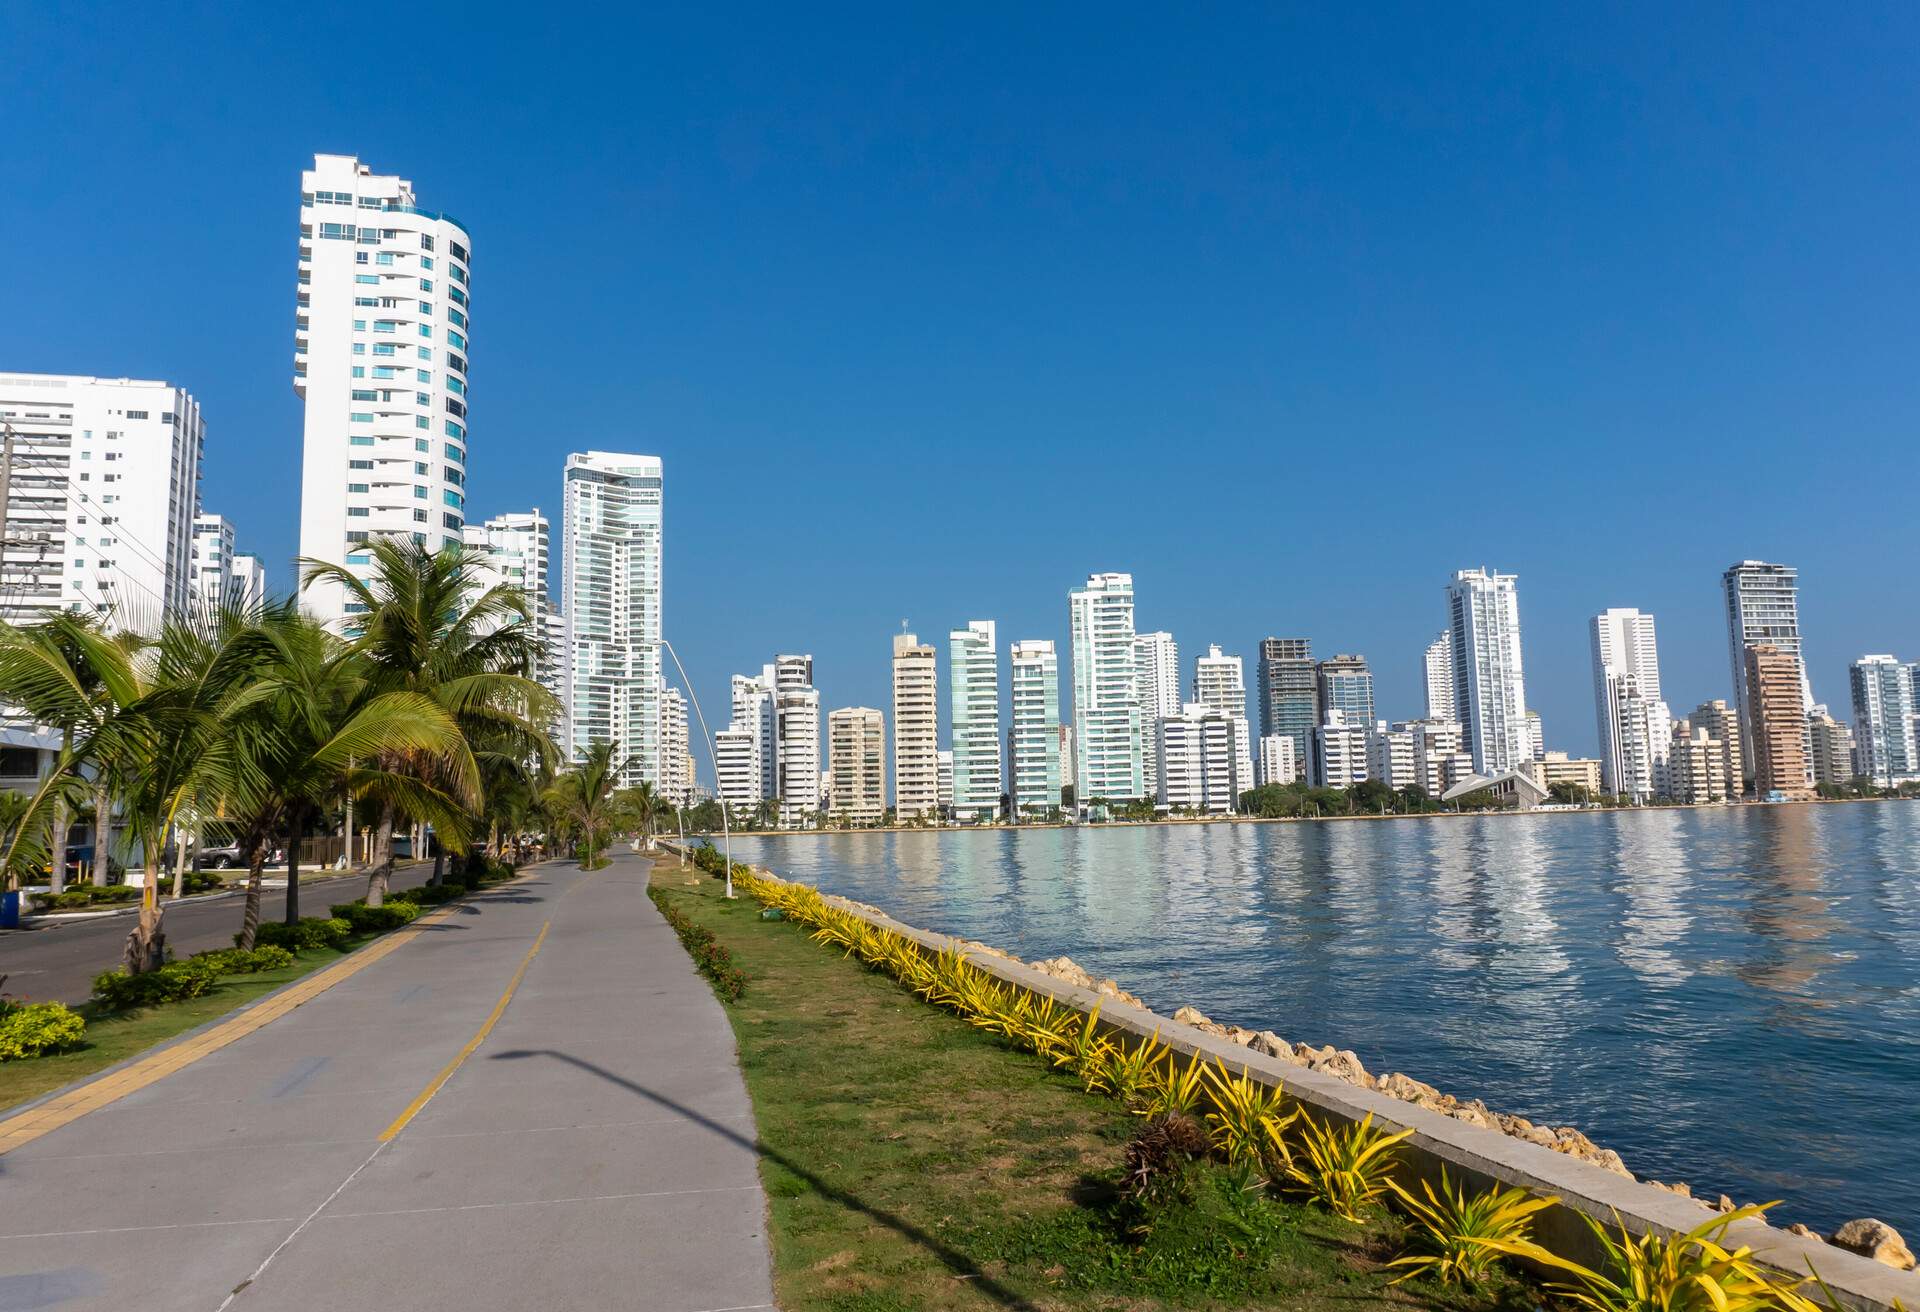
{"points": [[9, 910]]}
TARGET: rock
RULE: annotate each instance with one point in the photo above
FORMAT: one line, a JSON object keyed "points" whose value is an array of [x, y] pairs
{"points": [[1804, 1231], [1272, 1045], [1191, 1016], [1725, 1204], [1237, 1035], [1106, 988], [1468, 1113], [1408, 1089], [1877, 1240], [1609, 1160], [1064, 970]]}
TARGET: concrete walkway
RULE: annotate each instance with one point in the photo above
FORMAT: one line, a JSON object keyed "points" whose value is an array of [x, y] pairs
{"points": [[594, 1149]]}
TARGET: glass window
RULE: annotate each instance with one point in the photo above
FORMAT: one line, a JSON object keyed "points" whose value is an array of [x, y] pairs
{"points": [[426, 330], [364, 394], [359, 325], [426, 244], [386, 257], [426, 284], [423, 352], [451, 498], [454, 430], [358, 512], [420, 444], [456, 339], [420, 492], [384, 325], [459, 251], [420, 467], [359, 257], [423, 376], [359, 371], [457, 296], [456, 453], [383, 348], [385, 371], [359, 417], [359, 348], [367, 279], [356, 487], [421, 421], [456, 318], [360, 441], [426, 307], [359, 464]]}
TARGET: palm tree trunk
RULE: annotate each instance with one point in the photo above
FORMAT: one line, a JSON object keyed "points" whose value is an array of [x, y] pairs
{"points": [[147, 945], [293, 870], [102, 828], [250, 914], [382, 868], [493, 840], [179, 863], [57, 853]]}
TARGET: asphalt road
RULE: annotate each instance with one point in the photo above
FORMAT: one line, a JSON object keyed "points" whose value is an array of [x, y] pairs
{"points": [[56, 960], [594, 1150]]}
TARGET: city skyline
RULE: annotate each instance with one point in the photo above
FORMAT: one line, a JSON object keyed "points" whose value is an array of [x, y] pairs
{"points": [[748, 399]]}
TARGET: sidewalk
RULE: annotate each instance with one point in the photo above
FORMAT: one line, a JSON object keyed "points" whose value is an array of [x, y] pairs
{"points": [[592, 1148]]}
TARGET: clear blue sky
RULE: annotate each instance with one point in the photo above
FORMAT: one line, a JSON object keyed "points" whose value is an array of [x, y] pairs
{"points": [[930, 314]]}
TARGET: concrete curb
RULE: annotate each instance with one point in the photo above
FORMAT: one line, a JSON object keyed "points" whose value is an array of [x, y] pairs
{"points": [[1476, 1157]]}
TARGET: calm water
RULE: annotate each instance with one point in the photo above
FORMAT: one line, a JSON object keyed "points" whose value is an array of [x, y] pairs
{"points": [[1727, 997]]}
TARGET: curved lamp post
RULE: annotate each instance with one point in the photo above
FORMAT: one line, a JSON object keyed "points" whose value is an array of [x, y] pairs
{"points": [[726, 831]]}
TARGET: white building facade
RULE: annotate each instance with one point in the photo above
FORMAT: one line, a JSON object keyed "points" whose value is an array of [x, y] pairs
{"points": [[1277, 765], [1106, 697], [1156, 675], [101, 500], [916, 730], [381, 346], [1763, 607], [1438, 671], [611, 528], [973, 674], [1199, 767], [1034, 669], [1489, 679], [1886, 720], [1636, 727], [857, 764]]}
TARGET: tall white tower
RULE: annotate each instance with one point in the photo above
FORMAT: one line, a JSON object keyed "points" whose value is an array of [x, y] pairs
{"points": [[611, 523], [1489, 680], [380, 358], [1763, 607], [1636, 728], [1036, 729], [1106, 698], [974, 677], [1156, 673], [1439, 676]]}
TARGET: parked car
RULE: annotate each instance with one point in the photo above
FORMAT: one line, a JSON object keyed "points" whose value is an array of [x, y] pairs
{"points": [[227, 856]]}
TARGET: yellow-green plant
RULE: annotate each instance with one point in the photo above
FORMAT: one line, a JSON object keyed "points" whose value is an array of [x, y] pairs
{"points": [[1171, 1090], [1345, 1168], [1129, 1071], [1086, 1052], [1247, 1116], [1691, 1272], [1451, 1229]]}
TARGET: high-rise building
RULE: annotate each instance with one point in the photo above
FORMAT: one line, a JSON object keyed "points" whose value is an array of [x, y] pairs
{"points": [[755, 713], [1345, 684], [214, 573], [380, 359], [916, 730], [1200, 769], [1886, 724], [945, 777], [1156, 673], [1339, 752], [513, 550], [857, 764], [611, 525], [1697, 765], [1035, 739], [1763, 605], [797, 730], [1066, 756], [676, 760], [1636, 728], [1774, 688], [1833, 748], [1536, 737], [1393, 756], [1440, 755], [1277, 762], [1489, 679], [1439, 679], [1289, 693], [101, 498], [974, 679], [1220, 681], [1721, 723], [1106, 698], [738, 767]]}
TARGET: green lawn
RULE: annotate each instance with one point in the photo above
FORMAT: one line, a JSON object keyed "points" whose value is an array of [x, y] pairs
{"points": [[912, 1162], [114, 1038]]}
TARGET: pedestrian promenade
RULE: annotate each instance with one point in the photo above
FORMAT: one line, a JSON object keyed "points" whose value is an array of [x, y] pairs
{"points": [[534, 1103]]}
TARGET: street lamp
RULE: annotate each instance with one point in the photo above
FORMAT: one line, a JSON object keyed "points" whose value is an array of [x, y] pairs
{"points": [[713, 755]]}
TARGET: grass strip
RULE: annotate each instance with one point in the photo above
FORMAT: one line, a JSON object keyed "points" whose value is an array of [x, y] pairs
{"points": [[914, 1162], [714, 961], [113, 1037]]}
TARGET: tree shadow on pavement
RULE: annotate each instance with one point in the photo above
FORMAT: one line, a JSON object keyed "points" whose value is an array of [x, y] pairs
{"points": [[952, 1259]]}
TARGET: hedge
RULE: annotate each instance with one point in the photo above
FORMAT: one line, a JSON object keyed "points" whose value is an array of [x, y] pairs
{"points": [[28, 1029], [712, 958], [310, 932]]}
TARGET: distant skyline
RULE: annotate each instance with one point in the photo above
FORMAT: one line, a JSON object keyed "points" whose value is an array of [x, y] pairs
{"points": [[930, 316]]}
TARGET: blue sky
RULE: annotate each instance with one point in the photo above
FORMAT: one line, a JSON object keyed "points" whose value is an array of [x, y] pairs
{"points": [[1289, 313]]}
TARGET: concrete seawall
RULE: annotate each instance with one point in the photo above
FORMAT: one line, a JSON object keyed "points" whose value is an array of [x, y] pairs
{"points": [[1477, 1157]]}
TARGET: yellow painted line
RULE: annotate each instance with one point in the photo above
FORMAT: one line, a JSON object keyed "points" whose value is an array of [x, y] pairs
{"points": [[24, 1128], [480, 1036]]}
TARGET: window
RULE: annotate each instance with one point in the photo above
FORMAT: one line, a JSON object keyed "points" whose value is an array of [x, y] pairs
{"points": [[419, 517], [423, 352], [367, 279], [384, 325], [419, 492], [451, 474], [361, 417], [426, 307], [359, 371], [457, 361], [455, 408], [459, 251], [454, 430], [358, 607], [421, 398], [356, 535], [456, 318], [359, 348], [452, 498], [359, 464], [386, 257], [426, 330], [383, 348], [421, 421], [357, 440], [426, 284], [459, 297], [359, 257], [385, 371], [358, 487], [359, 325], [426, 263], [420, 467], [364, 394], [453, 522], [456, 339], [455, 386], [426, 244], [456, 453], [358, 512], [359, 558], [85, 477], [136, 414], [423, 376], [419, 444]]}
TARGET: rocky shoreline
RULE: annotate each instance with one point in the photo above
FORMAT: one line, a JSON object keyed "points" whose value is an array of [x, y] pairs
{"points": [[1867, 1235]]}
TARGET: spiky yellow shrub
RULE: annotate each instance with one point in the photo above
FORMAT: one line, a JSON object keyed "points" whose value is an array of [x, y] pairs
{"points": [[1452, 1230], [1247, 1117], [1129, 1069], [1344, 1168], [1173, 1091]]}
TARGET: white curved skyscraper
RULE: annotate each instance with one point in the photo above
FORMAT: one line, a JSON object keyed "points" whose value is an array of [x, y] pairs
{"points": [[380, 358], [612, 530]]}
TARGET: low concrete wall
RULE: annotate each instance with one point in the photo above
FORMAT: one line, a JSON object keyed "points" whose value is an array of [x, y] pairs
{"points": [[1478, 1157]]}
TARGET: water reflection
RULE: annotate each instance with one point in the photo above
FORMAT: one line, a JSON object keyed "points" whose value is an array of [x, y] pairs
{"points": [[1650, 976]]}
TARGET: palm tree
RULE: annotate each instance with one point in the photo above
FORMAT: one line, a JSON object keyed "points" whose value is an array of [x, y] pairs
{"points": [[583, 797], [429, 629], [300, 721]]}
